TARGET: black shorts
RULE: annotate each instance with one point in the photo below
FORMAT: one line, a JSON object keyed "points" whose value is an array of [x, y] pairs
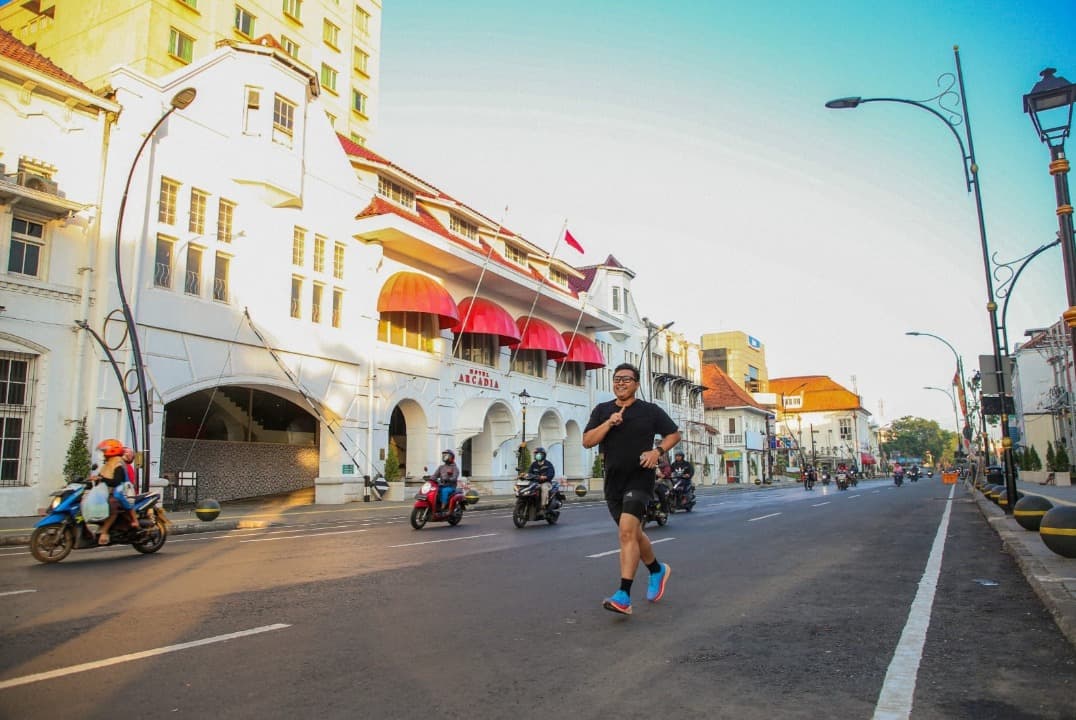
{"points": [[631, 500]]}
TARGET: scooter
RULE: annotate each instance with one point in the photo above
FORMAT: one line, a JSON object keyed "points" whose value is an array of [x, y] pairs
{"points": [[426, 508], [63, 528], [842, 480], [657, 510], [682, 495], [825, 478], [528, 498], [898, 478]]}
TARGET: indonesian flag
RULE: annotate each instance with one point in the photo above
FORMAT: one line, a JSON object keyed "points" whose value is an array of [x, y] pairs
{"points": [[571, 241]]}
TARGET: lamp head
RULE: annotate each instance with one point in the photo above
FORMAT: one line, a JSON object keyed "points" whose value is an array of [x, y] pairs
{"points": [[913, 333], [183, 98], [524, 397], [846, 103], [1050, 105]]}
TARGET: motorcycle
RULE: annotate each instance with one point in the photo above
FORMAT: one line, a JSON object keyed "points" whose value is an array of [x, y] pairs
{"points": [[63, 528], [808, 482], [658, 510], [898, 478], [825, 478], [682, 494], [842, 480], [913, 475], [528, 498], [426, 508]]}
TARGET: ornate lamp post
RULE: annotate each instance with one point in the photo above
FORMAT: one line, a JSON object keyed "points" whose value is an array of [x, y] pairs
{"points": [[652, 331], [956, 418], [967, 431], [179, 101], [952, 119], [1050, 105], [524, 399]]}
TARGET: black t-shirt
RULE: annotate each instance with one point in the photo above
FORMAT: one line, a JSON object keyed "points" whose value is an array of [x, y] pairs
{"points": [[624, 443]]}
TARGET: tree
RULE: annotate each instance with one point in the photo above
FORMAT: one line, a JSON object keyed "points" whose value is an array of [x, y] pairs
{"points": [[1034, 462], [915, 437], [77, 464], [1049, 455], [597, 470], [1061, 459], [392, 464]]}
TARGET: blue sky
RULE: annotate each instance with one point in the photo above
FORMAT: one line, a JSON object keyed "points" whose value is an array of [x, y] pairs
{"points": [[690, 140]]}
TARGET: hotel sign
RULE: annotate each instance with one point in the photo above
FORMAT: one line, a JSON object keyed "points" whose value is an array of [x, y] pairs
{"points": [[479, 378]]}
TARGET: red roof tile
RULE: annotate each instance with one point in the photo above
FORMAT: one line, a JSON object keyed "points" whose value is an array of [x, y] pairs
{"points": [[722, 392], [13, 48], [820, 393]]}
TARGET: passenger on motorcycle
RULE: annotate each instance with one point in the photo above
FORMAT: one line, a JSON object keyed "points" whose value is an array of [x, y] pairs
{"points": [[113, 473], [544, 471], [682, 470], [448, 476]]}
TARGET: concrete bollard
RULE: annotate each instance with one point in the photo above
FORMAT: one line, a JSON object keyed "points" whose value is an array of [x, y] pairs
{"points": [[1028, 511], [1058, 530]]}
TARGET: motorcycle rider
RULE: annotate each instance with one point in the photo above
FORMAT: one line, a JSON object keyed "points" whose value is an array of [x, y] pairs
{"points": [[810, 478], [682, 472], [448, 476], [113, 473], [543, 471]]}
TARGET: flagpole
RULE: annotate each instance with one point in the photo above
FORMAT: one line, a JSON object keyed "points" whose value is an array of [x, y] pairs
{"points": [[537, 294], [575, 331], [478, 284]]}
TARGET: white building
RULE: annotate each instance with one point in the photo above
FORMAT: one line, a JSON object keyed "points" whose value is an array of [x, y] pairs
{"points": [[1043, 390]]}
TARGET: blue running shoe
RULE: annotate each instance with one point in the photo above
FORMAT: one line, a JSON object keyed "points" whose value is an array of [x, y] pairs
{"points": [[619, 603], [655, 588]]}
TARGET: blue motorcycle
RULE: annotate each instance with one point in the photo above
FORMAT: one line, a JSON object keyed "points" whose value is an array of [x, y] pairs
{"points": [[63, 528]]}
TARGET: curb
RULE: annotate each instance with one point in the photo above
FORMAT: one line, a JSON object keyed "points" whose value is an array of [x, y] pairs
{"points": [[1018, 543]]}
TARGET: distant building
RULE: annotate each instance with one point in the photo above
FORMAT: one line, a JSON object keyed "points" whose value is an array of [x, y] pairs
{"points": [[1042, 390], [341, 41], [742, 427], [740, 356]]}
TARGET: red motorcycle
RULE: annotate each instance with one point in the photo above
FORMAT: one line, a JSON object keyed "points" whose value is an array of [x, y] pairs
{"points": [[427, 509]]}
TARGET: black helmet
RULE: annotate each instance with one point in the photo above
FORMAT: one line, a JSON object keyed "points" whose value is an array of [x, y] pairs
{"points": [[451, 456], [540, 451]]}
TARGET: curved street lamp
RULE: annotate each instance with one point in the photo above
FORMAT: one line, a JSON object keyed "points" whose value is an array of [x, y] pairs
{"points": [[956, 418], [652, 331], [952, 119], [179, 101], [960, 374], [1050, 105]]}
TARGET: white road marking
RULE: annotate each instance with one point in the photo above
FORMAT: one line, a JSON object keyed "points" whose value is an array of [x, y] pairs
{"points": [[16, 592], [432, 542], [61, 672], [304, 536], [763, 517], [853, 497], [617, 551], [827, 502], [898, 689]]}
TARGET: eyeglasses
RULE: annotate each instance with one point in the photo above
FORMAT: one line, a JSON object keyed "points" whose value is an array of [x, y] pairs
{"points": [[623, 379]]}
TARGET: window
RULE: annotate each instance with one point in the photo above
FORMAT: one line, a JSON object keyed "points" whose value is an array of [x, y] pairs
{"points": [[319, 253], [792, 401], [180, 46], [293, 9], [358, 139], [289, 46], [338, 261], [408, 329], [196, 224], [616, 300], [515, 255], [244, 22], [162, 271], [572, 373], [298, 246], [220, 277], [27, 245], [332, 120], [328, 78], [250, 111], [461, 227], [558, 277], [169, 198], [477, 348], [845, 428], [338, 307], [360, 61], [283, 119], [315, 302], [296, 294], [16, 402], [362, 21], [192, 281], [395, 192], [330, 34], [225, 218], [530, 362], [358, 102]]}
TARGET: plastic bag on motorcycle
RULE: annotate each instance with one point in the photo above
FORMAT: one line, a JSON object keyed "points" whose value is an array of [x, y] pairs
{"points": [[95, 503]]}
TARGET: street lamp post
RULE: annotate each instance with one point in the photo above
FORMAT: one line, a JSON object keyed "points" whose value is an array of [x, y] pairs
{"points": [[179, 101], [966, 433], [524, 399], [652, 331], [971, 179], [956, 418], [1050, 105]]}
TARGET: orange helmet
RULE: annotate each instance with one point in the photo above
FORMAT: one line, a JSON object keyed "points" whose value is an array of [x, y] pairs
{"points": [[111, 447]]}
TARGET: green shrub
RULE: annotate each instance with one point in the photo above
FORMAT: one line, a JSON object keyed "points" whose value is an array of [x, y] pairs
{"points": [[392, 464], [597, 470], [77, 464]]}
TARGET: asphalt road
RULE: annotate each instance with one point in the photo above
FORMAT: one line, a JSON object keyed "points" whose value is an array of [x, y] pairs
{"points": [[781, 604]]}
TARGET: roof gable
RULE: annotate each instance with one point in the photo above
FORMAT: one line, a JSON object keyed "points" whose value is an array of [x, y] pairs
{"points": [[722, 392], [13, 48]]}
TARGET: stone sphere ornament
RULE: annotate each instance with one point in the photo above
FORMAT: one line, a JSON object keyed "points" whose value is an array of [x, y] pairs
{"points": [[207, 509]]}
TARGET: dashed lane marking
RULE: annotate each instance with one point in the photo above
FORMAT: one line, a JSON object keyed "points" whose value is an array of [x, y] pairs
{"points": [[617, 551], [827, 502], [432, 542], [61, 672], [763, 517], [304, 536], [16, 592]]}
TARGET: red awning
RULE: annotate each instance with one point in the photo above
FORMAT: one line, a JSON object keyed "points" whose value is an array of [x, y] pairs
{"points": [[413, 292], [539, 335], [867, 459], [483, 317], [582, 349]]}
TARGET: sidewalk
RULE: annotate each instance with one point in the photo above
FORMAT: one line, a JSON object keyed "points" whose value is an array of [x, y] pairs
{"points": [[299, 507]]}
